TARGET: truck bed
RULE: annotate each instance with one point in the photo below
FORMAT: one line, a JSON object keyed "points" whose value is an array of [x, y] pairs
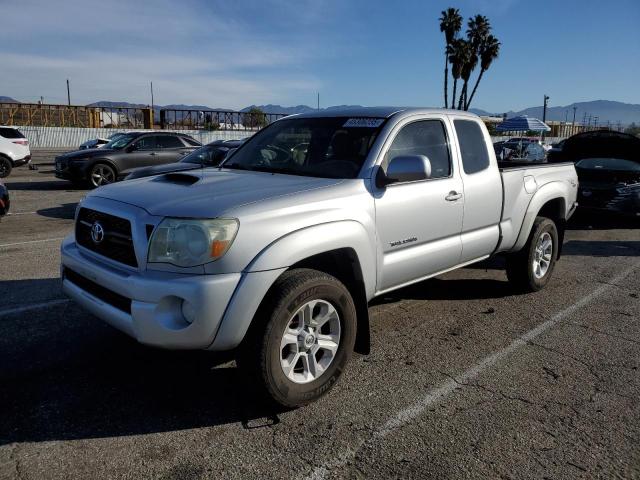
{"points": [[519, 183]]}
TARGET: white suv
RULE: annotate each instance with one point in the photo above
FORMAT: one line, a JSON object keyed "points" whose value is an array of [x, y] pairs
{"points": [[14, 150]]}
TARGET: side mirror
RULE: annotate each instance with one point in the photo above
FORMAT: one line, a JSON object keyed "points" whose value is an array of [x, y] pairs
{"points": [[131, 148], [404, 168]]}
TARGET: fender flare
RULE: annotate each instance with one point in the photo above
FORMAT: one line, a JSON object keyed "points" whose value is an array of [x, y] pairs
{"points": [[317, 239], [264, 270], [546, 193]]}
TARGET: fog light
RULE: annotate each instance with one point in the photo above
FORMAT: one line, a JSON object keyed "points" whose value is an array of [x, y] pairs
{"points": [[188, 312]]}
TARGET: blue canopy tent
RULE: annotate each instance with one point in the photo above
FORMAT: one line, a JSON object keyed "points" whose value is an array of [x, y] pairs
{"points": [[523, 124]]}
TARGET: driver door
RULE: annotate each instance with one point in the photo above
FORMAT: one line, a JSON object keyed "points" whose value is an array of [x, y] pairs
{"points": [[144, 153], [419, 223]]}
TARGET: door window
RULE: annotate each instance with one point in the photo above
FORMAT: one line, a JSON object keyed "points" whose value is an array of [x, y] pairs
{"points": [[169, 141], [146, 143], [473, 147], [428, 138]]}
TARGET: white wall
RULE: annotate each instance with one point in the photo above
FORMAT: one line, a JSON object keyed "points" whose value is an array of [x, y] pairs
{"points": [[68, 137]]}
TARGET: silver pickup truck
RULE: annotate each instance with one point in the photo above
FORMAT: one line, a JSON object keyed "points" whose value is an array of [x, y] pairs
{"points": [[277, 252]]}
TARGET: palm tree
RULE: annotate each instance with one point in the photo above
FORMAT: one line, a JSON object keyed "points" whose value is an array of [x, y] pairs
{"points": [[477, 32], [489, 51], [470, 60], [458, 53], [450, 25], [478, 28]]}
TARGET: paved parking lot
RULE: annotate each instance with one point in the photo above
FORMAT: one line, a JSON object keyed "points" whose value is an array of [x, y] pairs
{"points": [[465, 380]]}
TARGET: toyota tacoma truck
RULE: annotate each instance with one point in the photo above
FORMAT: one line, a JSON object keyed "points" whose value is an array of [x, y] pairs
{"points": [[277, 252]]}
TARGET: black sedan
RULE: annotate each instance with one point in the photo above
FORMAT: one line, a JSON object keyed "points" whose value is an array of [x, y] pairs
{"points": [[609, 184], [114, 161], [5, 203], [208, 156]]}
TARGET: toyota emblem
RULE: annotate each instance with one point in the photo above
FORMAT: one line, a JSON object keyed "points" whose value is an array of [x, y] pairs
{"points": [[97, 233]]}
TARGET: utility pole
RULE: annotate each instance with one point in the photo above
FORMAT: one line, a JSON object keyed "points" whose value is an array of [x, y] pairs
{"points": [[544, 111], [318, 100], [68, 94], [595, 121], [151, 96], [573, 123]]}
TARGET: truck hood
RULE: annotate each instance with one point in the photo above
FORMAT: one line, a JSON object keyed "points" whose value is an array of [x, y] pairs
{"points": [[206, 193]]}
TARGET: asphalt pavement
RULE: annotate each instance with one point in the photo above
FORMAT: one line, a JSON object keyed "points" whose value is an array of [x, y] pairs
{"points": [[466, 379]]}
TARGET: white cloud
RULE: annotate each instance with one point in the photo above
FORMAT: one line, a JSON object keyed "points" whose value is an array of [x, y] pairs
{"points": [[111, 50]]}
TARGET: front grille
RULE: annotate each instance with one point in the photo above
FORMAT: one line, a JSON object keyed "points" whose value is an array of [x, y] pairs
{"points": [[116, 244], [108, 296]]}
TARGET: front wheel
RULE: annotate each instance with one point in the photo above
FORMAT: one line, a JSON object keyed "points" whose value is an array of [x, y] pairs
{"points": [[530, 269], [5, 167], [302, 338], [101, 174]]}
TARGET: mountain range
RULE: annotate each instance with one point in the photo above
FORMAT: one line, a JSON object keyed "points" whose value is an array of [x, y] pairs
{"points": [[604, 110]]}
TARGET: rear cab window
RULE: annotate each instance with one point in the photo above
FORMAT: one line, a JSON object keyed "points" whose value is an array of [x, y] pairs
{"points": [[473, 147]]}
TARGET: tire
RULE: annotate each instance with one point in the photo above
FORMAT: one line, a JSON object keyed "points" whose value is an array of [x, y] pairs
{"points": [[531, 268], [5, 167], [277, 363], [101, 174]]}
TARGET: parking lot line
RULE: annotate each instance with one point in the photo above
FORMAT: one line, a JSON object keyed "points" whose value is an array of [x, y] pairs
{"points": [[442, 391], [51, 303], [31, 241]]}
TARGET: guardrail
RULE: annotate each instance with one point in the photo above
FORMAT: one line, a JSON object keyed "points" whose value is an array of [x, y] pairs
{"points": [[179, 119]]}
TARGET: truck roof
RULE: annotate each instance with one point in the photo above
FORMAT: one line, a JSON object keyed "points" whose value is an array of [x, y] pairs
{"points": [[379, 112]]}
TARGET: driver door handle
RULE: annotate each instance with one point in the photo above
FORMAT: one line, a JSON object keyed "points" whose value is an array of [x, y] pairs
{"points": [[153, 154], [453, 196]]}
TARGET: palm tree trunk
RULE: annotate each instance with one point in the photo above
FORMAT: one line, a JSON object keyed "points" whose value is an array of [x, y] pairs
{"points": [[462, 93], [475, 87], [446, 79], [453, 99]]}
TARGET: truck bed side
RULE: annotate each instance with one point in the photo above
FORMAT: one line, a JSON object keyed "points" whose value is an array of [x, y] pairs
{"points": [[526, 190]]}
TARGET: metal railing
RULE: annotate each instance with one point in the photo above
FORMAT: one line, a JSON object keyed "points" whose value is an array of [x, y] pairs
{"points": [[176, 119]]}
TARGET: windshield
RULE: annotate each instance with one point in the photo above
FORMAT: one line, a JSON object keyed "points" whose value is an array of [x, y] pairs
{"points": [[209, 155], [119, 142], [609, 164], [331, 147]]}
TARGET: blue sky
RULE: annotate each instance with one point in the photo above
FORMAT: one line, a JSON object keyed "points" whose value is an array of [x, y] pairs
{"points": [[235, 53]]}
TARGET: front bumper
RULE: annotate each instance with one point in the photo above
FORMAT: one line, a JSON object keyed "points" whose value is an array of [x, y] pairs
{"points": [[154, 315]]}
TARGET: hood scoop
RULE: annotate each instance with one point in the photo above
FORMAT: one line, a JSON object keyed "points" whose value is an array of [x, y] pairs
{"points": [[178, 178]]}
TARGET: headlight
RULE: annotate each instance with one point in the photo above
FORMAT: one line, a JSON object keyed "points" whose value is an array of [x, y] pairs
{"points": [[188, 243]]}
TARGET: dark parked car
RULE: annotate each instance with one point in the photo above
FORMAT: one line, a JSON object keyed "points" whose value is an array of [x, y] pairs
{"points": [[608, 166], [208, 156], [596, 144], [609, 184], [119, 157], [5, 203]]}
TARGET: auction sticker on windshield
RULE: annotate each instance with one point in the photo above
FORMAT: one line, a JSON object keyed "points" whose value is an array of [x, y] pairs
{"points": [[364, 122]]}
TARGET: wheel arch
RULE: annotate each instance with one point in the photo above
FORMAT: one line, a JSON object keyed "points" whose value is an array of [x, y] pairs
{"points": [[344, 252], [550, 202]]}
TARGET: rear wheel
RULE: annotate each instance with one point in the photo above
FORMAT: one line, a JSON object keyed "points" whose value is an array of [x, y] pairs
{"points": [[530, 269], [5, 167], [303, 339], [101, 174]]}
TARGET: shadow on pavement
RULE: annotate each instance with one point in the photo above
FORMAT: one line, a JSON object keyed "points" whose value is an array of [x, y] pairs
{"points": [[597, 220], [49, 185], [67, 375], [449, 289], [65, 211]]}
